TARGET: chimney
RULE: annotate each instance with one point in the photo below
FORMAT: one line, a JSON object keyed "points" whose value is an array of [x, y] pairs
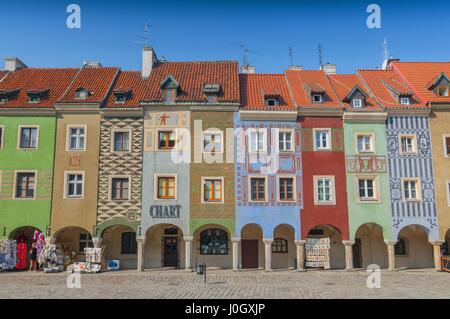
{"points": [[13, 63], [296, 67], [92, 64], [247, 69], [149, 60], [328, 68]]}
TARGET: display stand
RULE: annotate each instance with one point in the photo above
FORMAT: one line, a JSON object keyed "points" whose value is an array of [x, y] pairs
{"points": [[318, 252], [8, 254], [92, 264]]}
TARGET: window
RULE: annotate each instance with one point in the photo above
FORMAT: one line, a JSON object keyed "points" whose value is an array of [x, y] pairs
{"points": [[367, 189], [212, 190], [258, 140], [1, 136], [77, 138], [120, 187], [404, 100], [443, 90], [279, 245], [28, 137], [3, 99], [128, 245], [408, 144], [285, 141], [82, 94], [121, 98], [322, 139], [317, 98], [258, 189], [74, 187], [212, 142], [34, 99], [411, 190], [400, 248], [121, 141], [170, 95], [85, 242], [446, 145], [324, 190], [213, 242], [286, 189], [364, 143], [166, 187], [272, 101], [357, 103], [25, 185], [166, 139]]}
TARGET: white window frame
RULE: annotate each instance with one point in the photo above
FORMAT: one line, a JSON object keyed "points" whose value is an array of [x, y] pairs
{"points": [[333, 190], [281, 131], [202, 195], [156, 186], [20, 137], [315, 95], [76, 126], [275, 100], [66, 185], [111, 188], [35, 184], [405, 101], [329, 140], [266, 188], [2, 137], [294, 188], [212, 132], [372, 142], [414, 144], [250, 131], [418, 189], [357, 105], [130, 138], [376, 188], [445, 136]]}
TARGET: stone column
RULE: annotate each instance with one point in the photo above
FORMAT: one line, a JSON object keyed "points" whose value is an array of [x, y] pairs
{"points": [[348, 254], [300, 254], [391, 253], [188, 251], [140, 253], [50, 240], [437, 253], [97, 241], [235, 242], [268, 252]]}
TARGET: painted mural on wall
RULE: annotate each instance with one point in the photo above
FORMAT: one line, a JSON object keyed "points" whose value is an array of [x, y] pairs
{"points": [[416, 165]]}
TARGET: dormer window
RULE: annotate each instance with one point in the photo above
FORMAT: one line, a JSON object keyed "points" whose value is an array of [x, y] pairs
{"points": [[121, 99], [272, 101], [82, 94], [35, 96], [357, 103], [443, 90], [122, 96], [34, 99], [170, 95], [405, 100], [212, 92], [3, 99], [317, 98], [5, 95], [169, 87]]}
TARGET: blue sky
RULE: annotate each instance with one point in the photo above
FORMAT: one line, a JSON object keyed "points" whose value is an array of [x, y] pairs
{"points": [[202, 30]]}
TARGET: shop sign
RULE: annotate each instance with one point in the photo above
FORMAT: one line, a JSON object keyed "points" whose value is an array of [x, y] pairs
{"points": [[165, 211]]}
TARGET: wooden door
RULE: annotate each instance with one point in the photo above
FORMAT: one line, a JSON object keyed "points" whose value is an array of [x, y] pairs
{"points": [[249, 253], [170, 252]]}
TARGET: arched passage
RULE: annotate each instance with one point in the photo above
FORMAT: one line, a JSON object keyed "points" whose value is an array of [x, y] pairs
{"points": [[369, 247], [283, 247], [252, 247], [164, 247], [119, 242], [212, 246], [24, 237], [313, 248], [72, 241], [413, 249]]}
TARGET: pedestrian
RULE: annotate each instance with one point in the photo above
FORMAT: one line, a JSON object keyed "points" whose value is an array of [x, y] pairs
{"points": [[33, 257]]}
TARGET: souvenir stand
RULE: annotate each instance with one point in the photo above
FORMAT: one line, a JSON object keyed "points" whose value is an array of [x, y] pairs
{"points": [[318, 252], [8, 254], [92, 264], [51, 259]]}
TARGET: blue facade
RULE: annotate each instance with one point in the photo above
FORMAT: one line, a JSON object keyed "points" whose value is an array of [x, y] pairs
{"points": [[418, 165], [272, 212]]}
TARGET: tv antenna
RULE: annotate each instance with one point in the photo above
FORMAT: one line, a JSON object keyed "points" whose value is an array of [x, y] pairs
{"points": [[320, 55], [245, 52], [290, 51], [145, 37]]}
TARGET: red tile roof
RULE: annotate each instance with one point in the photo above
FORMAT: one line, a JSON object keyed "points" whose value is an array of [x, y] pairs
{"points": [[128, 81], [97, 80], [343, 84], [301, 81], [379, 82], [3, 74], [419, 76], [254, 88], [192, 77], [33, 79]]}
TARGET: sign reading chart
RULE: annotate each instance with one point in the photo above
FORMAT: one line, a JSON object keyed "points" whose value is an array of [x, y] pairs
{"points": [[318, 252]]}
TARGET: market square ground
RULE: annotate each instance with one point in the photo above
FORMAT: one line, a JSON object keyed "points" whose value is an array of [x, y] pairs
{"points": [[224, 284]]}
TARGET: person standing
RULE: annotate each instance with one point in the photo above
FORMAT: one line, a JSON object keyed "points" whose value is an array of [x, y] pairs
{"points": [[33, 257]]}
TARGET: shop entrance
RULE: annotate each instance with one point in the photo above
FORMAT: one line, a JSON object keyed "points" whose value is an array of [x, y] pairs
{"points": [[357, 254], [249, 253], [170, 250]]}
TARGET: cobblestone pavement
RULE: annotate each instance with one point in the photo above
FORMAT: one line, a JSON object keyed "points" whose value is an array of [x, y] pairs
{"points": [[227, 284]]}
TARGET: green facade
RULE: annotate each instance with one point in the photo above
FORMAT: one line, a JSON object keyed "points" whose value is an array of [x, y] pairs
{"points": [[16, 213], [362, 165]]}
